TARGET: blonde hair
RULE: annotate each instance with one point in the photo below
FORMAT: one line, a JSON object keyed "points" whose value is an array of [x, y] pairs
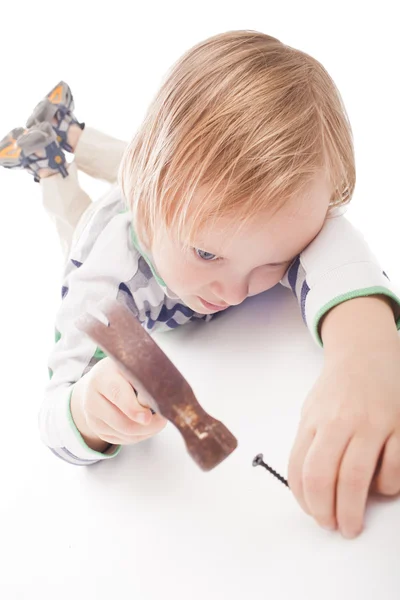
{"points": [[249, 117]]}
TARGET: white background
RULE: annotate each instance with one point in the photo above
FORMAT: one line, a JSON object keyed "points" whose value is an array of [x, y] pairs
{"points": [[150, 524]]}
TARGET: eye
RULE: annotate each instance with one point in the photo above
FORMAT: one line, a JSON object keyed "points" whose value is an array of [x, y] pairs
{"points": [[205, 255]]}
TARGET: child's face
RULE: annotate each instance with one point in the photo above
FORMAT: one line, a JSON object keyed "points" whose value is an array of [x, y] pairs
{"points": [[226, 267]]}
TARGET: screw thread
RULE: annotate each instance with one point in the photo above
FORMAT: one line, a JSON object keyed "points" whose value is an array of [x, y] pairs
{"points": [[258, 460], [275, 474]]}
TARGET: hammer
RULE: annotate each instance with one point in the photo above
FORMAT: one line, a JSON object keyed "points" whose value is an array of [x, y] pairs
{"points": [[158, 383]]}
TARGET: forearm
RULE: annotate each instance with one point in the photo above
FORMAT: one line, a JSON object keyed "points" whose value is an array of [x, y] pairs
{"points": [[357, 323], [79, 419], [335, 269]]}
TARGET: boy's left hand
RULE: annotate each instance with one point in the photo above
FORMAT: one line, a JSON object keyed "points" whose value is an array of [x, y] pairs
{"points": [[349, 436]]}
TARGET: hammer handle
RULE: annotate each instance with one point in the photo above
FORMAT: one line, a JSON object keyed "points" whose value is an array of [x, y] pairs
{"points": [[159, 384]]}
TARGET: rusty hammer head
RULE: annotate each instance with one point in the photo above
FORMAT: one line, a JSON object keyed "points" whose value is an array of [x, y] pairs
{"points": [[158, 383]]}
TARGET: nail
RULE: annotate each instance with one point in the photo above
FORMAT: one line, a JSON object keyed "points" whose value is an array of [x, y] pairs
{"points": [[258, 460], [348, 534], [142, 418], [329, 527]]}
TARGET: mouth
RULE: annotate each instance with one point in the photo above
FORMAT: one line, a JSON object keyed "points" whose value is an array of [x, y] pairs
{"points": [[210, 306]]}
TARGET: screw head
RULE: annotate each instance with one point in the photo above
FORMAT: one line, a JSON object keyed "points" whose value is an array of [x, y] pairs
{"points": [[258, 460]]}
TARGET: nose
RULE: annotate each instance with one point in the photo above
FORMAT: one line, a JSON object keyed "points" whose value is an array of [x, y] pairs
{"points": [[231, 293]]}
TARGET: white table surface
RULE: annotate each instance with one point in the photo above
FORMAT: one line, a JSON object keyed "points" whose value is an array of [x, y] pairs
{"points": [[150, 524]]}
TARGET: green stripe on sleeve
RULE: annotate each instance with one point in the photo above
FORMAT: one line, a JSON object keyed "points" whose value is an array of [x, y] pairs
{"points": [[99, 354], [372, 291]]}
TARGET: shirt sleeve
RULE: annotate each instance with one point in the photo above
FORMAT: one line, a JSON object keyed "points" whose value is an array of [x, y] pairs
{"points": [[337, 266], [86, 285]]}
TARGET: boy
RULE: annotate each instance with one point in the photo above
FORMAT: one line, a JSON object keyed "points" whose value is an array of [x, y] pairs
{"points": [[234, 183]]}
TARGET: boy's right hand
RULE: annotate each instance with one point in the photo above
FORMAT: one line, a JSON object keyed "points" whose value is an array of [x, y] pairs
{"points": [[106, 410]]}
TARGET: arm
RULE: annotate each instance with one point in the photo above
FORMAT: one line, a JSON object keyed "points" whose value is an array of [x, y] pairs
{"points": [[347, 439], [336, 267], [92, 277], [344, 329]]}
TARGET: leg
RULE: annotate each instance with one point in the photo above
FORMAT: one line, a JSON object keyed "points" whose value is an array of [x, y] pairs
{"points": [[52, 128], [99, 155], [65, 202]]}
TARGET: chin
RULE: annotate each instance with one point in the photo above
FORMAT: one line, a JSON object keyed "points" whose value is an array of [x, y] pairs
{"points": [[196, 305]]}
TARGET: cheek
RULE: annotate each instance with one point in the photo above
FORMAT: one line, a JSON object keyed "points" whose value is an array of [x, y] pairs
{"points": [[181, 276], [264, 279]]}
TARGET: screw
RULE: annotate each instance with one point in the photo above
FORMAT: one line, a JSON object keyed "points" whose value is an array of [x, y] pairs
{"points": [[258, 460]]}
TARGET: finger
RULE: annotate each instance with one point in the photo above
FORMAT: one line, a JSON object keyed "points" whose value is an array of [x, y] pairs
{"points": [[117, 439], [299, 451], [120, 393], [355, 475], [106, 433], [320, 473], [117, 421], [112, 437], [387, 481]]}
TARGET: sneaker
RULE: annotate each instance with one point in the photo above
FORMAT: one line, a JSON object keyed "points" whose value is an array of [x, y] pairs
{"points": [[33, 149], [9, 151], [57, 105]]}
